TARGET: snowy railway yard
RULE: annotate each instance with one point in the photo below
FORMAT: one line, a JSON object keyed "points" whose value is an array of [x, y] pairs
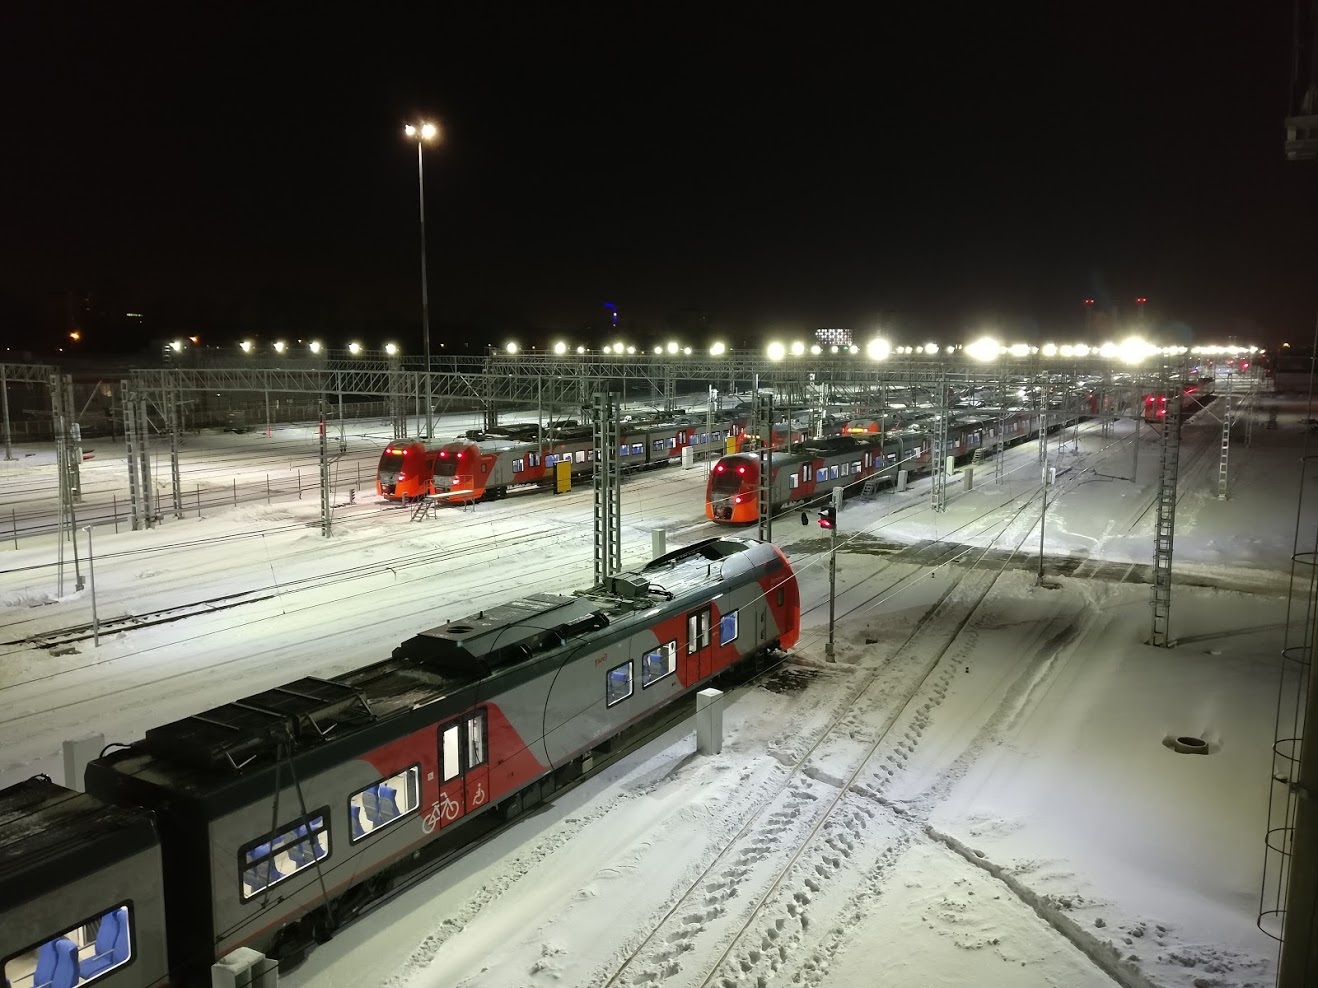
{"points": [[977, 791]]}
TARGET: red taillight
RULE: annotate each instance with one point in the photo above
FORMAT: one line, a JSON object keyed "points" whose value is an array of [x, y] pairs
{"points": [[401, 475], [737, 499], [443, 452], [719, 468], [741, 469]]}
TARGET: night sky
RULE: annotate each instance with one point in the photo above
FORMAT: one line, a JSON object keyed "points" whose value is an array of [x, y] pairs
{"points": [[234, 172]]}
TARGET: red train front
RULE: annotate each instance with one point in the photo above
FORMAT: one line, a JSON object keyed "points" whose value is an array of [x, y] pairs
{"points": [[405, 472], [732, 492]]}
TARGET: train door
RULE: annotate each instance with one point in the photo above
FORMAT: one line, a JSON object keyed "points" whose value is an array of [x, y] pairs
{"points": [[464, 767], [697, 642]]}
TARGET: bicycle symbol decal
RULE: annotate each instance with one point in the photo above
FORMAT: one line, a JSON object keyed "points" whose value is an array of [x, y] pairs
{"points": [[445, 809]]}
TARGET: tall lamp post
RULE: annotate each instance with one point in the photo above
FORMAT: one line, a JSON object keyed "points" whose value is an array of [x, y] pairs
{"points": [[423, 133]]}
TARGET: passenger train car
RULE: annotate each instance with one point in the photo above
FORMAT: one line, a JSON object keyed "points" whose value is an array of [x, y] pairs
{"points": [[479, 467], [1192, 395], [485, 467], [732, 491], [269, 821]]}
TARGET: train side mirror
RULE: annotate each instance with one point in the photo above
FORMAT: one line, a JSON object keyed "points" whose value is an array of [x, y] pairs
{"points": [[805, 518]]}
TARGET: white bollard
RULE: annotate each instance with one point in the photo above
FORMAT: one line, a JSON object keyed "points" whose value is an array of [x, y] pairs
{"points": [[245, 968], [901, 480], [77, 753], [969, 473], [709, 721], [658, 545], [688, 457]]}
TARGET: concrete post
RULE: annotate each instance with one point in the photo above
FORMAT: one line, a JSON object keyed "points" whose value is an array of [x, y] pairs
{"points": [[657, 543], [77, 753], [709, 722]]}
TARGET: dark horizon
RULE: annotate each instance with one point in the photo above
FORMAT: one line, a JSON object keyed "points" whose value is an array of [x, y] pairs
{"points": [[933, 177]]}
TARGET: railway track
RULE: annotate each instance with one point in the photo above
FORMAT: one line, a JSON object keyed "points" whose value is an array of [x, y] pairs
{"points": [[796, 840]]}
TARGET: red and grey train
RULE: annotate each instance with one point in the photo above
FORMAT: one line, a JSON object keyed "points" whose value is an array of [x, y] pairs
{"points": [[1192, 395], [486, 467], [732, 493], [268, 821]]}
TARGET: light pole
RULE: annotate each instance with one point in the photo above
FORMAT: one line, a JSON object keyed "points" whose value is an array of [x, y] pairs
{"points": [[424, 132]]}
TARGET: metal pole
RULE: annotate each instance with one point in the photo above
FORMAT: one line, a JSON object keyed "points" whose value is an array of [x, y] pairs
{"points": [[91, 573], [832, 586], [836, 501], [4, 401], [425, 290], [1043, 512], [1135, 461]]}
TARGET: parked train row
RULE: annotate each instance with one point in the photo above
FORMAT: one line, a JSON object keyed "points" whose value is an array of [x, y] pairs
{"points": [[482, 466], [732, 493], [269, 821]]}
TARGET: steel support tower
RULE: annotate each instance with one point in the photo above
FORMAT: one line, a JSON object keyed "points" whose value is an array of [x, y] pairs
{"points": [[326, 520], [1226, 443], [764, 414], [938, 454], [172, 418], [1166, 517], [1000, 447], [606, 482]]}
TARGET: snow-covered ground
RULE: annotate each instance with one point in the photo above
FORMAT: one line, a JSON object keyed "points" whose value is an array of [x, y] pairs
{"points": [[984, 797]]}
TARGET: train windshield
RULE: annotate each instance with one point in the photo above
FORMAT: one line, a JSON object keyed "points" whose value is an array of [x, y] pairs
{"points": [[446, 466], [727, 479], [391, 460]]}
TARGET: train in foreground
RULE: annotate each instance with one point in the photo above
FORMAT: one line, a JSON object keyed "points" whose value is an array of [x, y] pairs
{"points": [[732, 493], [270, 821]]}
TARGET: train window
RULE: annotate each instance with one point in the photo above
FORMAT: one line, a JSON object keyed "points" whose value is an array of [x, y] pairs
{"points": [[450, 752], [832, 472], [485, 468], [672, 443], [638, 448], [704, 437], [622, 450], [618, 685], [855, 467], [805, 473], [657, 445], [697, 630], [80, 955], [534, 459], [727, 628], [793, 482], [476, 732], [519, 466], [581, 455], [821, 475], [269, 860], [550, 459], [658, 664], [781, 596], [383, 803]]}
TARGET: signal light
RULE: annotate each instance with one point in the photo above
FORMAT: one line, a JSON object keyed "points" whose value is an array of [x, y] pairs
{"points": [[828, 517]]}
